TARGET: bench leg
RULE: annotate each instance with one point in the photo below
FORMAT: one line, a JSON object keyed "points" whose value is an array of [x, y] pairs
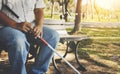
{"points": [[81, 67], [59, 65]]}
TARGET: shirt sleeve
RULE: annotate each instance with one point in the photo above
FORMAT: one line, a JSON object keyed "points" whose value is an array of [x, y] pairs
{"points": [[0, 4], [40, 4]]}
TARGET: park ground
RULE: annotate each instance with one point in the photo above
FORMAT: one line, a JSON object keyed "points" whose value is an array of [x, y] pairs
{"points": [[100, 54]]}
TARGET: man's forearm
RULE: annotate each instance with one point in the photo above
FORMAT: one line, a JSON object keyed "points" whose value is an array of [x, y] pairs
{"points": [[5, 20], [39, 15]]}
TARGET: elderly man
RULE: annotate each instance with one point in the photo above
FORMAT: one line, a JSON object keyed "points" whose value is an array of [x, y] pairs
{"points": [[13, 34]]}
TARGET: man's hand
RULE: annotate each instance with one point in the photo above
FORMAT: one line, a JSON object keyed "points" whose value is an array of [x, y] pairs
{"points": [[28, 28], [37, 30], [24, 26]]}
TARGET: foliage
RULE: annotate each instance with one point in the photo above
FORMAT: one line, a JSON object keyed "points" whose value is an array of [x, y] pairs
{"points": [[92, 13]]}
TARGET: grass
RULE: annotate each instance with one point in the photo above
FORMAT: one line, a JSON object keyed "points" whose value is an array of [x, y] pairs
{"points": [[103, 51], [102, 32]]}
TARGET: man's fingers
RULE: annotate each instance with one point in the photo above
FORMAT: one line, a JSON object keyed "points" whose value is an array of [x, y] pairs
{"points": [[29, 26], [25, 30], [37, 34], [28, 29]]}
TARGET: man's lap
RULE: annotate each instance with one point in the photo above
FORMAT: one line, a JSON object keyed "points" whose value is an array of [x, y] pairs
{"points": [[7, 34]]}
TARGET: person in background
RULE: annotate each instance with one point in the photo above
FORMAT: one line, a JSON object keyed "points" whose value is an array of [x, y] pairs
{"points": [[13, 34]]}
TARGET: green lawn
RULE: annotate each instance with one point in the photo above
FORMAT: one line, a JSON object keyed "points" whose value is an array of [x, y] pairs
{"points": [[103, 52], [102, 32]]}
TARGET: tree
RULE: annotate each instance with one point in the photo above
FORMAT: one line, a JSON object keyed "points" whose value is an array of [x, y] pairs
{"points": [[77, 17], [52, 8]]}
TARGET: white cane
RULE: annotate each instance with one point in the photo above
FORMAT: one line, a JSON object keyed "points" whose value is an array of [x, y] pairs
{"points": [[47, 44]]}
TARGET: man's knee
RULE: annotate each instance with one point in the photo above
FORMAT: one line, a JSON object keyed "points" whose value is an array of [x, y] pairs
{"points": [[55, 35], [51, 34], [19, 43]]}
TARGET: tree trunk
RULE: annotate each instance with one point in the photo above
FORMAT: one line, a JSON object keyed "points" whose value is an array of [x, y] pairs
{"points": [[52, 9], [66, 10], [77, 17]]}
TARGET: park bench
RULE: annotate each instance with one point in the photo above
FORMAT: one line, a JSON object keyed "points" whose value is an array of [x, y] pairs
{"points": [[71, 42]]}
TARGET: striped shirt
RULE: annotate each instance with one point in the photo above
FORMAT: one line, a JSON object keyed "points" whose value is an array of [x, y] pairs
{"points": [[23, 8]]}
